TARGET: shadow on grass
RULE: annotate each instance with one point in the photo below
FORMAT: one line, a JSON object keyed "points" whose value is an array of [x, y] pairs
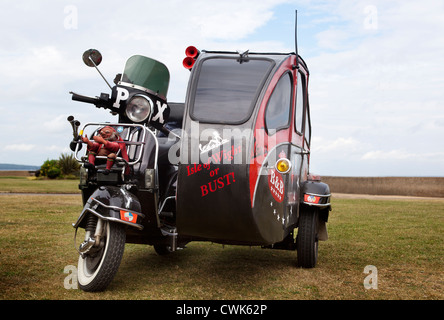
{"points": [[203, 270]]}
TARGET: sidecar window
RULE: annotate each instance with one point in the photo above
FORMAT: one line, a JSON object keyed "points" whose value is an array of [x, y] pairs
{"points": [[277, 115], [227, 89], [300, 85]]}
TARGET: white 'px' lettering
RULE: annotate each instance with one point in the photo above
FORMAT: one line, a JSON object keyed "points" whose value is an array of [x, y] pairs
{"points": [[122, 95], [159, 115]]}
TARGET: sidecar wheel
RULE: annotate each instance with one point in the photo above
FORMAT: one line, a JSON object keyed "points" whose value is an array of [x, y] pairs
{"points": [[307, 239], [97, 269]]}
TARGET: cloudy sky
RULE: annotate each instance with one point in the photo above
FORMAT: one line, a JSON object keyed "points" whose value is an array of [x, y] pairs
{"points": [[376, 86]]}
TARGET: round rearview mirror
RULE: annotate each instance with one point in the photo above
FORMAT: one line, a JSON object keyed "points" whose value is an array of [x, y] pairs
{"points": [[92, 57]]}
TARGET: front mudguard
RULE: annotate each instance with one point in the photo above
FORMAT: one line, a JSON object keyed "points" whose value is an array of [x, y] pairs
{"points": [[112, 204], [316, 195]]}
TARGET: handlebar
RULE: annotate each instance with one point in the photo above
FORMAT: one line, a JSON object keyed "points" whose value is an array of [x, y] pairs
{"points": [[102, 102]]}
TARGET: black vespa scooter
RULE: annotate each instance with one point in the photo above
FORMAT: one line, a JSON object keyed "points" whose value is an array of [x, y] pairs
{"points": [[132, 200]]}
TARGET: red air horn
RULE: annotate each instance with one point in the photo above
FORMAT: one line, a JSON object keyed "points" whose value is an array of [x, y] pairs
{"points": [[188, 62], [192, 53]]}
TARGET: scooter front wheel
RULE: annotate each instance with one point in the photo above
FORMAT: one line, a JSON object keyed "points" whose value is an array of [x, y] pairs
{"points": [[97, 268]]}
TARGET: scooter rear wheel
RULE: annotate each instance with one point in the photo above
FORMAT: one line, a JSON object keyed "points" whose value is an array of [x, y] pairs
{"points": [[98, 267]]}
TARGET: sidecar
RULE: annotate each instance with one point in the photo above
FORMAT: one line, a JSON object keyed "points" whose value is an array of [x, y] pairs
{"points": [[243, 174]]}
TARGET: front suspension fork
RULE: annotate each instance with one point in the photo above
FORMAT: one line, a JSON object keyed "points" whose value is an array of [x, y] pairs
{"points": [[93, 234]]}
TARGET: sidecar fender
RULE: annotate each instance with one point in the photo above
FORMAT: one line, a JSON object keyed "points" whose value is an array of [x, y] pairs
{"points": [[316, 193], [113, 204]]}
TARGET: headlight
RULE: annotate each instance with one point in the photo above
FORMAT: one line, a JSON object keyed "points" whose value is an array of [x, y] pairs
{"points": [[139, 108]]}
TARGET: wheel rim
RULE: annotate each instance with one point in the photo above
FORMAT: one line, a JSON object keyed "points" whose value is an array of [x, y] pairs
{"points": [[92, 262]]}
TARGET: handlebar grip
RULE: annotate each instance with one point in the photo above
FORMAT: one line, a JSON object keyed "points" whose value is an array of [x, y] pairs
{"points": [[78, 97]]}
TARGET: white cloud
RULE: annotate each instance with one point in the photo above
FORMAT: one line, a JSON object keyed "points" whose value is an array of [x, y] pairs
{"points": [[58, 124], [53, 148], [341, 145], [401, 154], [232, 20], [386, 155], [22, 147]]}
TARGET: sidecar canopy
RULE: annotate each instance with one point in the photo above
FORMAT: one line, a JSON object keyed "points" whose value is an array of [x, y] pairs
{"points": [[239, 120]]}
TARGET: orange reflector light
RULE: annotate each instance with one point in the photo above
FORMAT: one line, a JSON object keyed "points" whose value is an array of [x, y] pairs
{"points": [[311, 199], [283, 165]]}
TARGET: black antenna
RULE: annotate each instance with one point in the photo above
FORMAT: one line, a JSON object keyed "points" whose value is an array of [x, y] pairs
{"points": [[296, 39]]}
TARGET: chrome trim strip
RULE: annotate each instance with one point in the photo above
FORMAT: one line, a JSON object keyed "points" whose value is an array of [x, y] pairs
{"points": [[82, 215], [164, 201], [317, 204], [166, 233], [117, 208], [136, 225], [318, 195]]}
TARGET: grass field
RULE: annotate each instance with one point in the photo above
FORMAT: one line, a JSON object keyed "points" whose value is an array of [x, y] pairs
{"points": [[403, 239], [20, 184]]}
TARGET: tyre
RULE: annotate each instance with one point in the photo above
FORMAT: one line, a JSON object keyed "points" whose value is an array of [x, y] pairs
{"points": [[98, 267], [307, 239]]}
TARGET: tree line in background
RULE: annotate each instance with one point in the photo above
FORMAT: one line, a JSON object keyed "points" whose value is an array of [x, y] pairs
{"points": [[66, 167]]}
